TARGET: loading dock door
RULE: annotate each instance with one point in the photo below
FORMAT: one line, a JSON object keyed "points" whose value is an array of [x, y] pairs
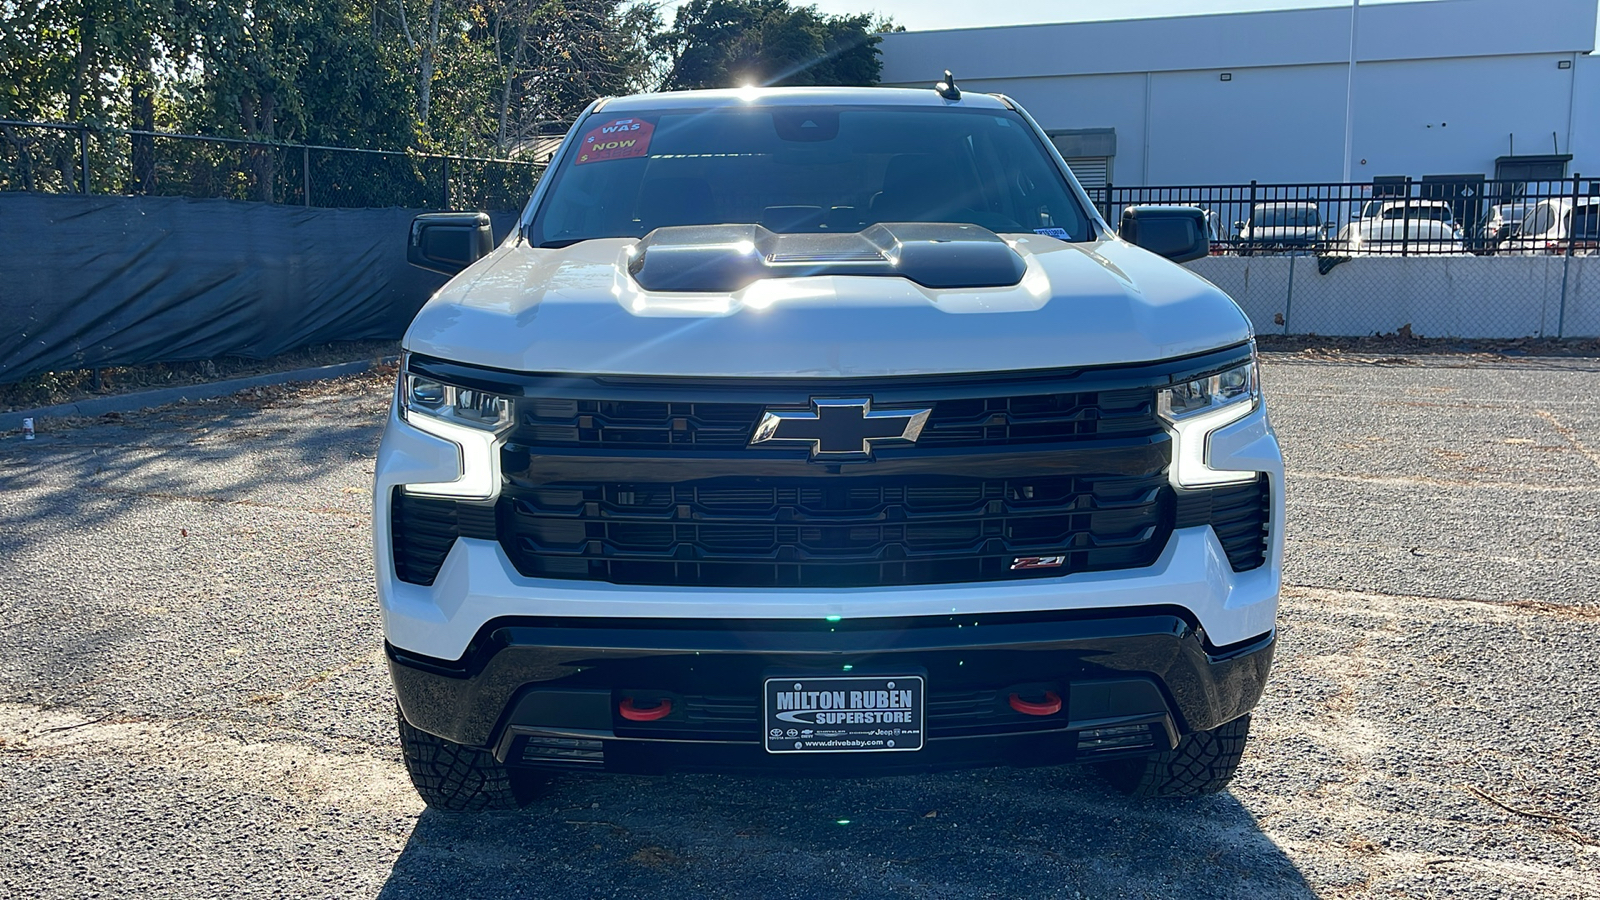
{"points": [[1089, 153], [1093, 172]]}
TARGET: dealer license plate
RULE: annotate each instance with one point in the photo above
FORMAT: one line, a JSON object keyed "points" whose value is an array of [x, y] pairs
{"points": [[827, 714]]}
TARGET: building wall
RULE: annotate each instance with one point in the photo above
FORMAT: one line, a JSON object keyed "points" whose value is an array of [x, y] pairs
{"points": [[1280, 117]]}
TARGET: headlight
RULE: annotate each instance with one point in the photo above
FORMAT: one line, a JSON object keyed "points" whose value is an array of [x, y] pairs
{"points": [[470, 418], [467, 406], [1195, 409]]}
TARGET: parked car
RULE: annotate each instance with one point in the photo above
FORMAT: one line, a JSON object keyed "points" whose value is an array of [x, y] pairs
{"points": [[1552, 226], [1401, 225], [1280, 228], [822, 430], [1504, 221]]}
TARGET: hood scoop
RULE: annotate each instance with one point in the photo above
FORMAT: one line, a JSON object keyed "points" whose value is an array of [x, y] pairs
{"points": [[726, 258]]}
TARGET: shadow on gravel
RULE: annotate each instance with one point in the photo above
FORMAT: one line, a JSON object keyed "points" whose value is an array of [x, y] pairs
{"points": [[1054, 832], [210, 468]]}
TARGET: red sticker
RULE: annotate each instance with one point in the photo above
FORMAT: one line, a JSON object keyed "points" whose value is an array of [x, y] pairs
{"points": [[616, 139]]}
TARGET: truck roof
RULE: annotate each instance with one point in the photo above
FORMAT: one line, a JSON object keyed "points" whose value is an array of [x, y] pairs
{"points": [[798, 96]]}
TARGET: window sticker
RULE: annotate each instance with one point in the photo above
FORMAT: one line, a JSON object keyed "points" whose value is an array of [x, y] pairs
{"points": [[1058, 233], [616, 139]]}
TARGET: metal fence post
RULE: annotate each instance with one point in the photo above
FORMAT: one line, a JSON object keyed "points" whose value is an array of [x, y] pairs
{"points": [[446, 162], [1108, 203], [1566, 263], [305, 174], [1405, 223], [83, 156]]}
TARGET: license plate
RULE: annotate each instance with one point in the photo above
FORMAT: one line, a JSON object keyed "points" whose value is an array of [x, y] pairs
{"points": [[827, 714]]}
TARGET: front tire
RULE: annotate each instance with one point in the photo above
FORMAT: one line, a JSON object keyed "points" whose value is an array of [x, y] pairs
{"points": [[1202, 763], [456, 777]]}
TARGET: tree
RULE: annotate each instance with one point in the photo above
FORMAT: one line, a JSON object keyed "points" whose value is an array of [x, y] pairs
{"points": [[726, 43], [555, 56]]}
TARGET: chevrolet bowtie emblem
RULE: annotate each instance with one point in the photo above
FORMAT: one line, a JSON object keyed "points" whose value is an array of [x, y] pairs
{"points": [[840, 429]]}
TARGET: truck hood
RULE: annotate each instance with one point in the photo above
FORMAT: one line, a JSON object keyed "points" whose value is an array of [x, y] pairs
{"points": [[577, 310]]}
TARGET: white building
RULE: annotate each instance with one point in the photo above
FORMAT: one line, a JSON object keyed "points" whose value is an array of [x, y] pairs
{"points": [[1495, 88]]}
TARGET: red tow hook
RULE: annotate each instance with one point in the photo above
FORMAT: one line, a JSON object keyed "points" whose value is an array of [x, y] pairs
{"points": [[661, 710], [1049, 707]]}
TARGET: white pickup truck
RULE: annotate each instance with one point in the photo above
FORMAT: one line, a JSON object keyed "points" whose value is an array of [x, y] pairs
{"points": [[823, 431], [1403, 226]]}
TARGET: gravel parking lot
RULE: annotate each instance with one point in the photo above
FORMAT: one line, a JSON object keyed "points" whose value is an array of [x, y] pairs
{"points": [[193, 701]]}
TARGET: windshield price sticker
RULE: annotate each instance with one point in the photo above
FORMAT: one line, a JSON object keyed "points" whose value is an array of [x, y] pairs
{"points": [[616, 139], [844, 715]]}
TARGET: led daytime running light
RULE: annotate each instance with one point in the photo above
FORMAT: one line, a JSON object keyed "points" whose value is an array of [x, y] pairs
{"points": [[471, 419], [1198, 408]]}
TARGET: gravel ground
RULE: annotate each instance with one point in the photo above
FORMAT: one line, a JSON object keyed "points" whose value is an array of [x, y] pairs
{"points": [[193, 702]]}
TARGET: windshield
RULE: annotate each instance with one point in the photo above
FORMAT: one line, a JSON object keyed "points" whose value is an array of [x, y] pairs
{"points": [[1584, 223], [806, 169], [1285, 217], [1435, 213]]}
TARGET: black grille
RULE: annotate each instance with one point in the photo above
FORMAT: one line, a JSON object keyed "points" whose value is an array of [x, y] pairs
{"points": [[1240, 514], [810, 532], [993, 421], [635, 480], [422, 530]]}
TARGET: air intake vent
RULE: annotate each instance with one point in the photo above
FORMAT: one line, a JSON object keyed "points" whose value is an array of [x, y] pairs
{"points": [[547, 750]]}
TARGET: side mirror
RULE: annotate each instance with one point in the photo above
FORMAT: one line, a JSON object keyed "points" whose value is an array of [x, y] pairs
{"points": [[449, 242], [1176, 232]]}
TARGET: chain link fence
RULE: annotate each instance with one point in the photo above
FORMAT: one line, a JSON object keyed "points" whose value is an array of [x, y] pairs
{"points": [[71, 158]]}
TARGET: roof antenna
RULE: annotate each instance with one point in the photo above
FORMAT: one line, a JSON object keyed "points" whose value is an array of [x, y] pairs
{"points": [[947, 88]]}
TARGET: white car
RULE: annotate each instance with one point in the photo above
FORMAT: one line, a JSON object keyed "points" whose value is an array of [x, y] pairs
{"points": [[1552, 227], [1504, 221], [1403, 226], [823, 430]]}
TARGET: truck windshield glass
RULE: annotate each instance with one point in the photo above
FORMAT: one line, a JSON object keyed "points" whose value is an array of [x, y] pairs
{"points": [[1435, 213], [806, 169], [1285, 217], [1584, 223]]}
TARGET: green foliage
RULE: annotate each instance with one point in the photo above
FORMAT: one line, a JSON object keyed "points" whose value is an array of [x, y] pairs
{"points": [[476, 77], [727, 43]]}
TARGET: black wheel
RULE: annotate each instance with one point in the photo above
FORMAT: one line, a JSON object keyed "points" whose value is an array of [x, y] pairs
{"points": [[1202, 763], [456, 777]]}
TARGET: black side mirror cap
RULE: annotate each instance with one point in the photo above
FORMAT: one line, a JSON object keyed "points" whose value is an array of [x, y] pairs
{"points": [[450, 241], [1176, 232]]}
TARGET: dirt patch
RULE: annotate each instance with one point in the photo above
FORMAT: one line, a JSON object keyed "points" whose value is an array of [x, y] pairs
{"points": [[1384, 346], [52, 388]]}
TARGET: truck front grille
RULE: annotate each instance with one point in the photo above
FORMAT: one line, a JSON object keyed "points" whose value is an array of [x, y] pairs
{"points": [[977, 414], [856, 532], [639, 481]]}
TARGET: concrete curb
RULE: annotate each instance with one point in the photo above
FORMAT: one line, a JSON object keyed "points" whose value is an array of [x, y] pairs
{"points": [[99, 406]]}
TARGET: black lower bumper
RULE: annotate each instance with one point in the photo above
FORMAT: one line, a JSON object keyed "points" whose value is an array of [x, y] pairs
{"points": [[546, 692]]}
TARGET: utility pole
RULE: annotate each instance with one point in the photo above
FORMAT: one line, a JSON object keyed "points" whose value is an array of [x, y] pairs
{"points": [[1350, 90]]}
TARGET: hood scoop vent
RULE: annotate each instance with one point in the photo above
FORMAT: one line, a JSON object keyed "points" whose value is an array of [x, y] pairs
{"points": [[726, 258]]}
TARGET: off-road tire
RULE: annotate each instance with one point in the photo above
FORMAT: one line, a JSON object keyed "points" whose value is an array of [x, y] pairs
{"points": [[1202, 763], [456, 777]]}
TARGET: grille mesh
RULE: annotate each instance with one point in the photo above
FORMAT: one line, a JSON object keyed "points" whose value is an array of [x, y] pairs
{"points": [[914, 530], [963, 422]]}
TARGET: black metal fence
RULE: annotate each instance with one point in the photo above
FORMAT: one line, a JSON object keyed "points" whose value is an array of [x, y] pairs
{"points": [[80, 159], [1393, 217]]}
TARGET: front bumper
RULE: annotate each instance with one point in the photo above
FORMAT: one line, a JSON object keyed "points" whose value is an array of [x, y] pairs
{"points": [[545, 691]]}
